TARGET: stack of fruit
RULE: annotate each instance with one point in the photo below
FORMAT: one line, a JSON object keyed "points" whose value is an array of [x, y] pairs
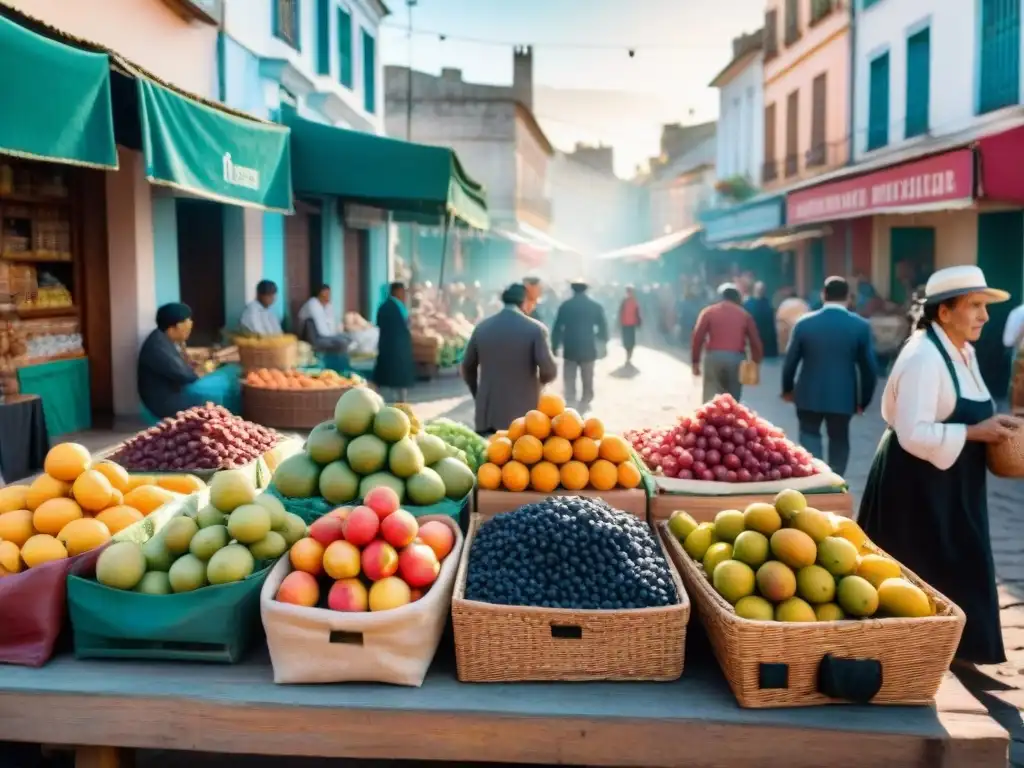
{"points": [[790, 562], [374, 557], [554, 447], [467, 445], [229, 539], [272, 378], [76, 506], [368, 445]]}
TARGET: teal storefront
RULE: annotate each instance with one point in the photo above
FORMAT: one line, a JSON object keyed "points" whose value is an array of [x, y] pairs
{"points": [[734, 234]]}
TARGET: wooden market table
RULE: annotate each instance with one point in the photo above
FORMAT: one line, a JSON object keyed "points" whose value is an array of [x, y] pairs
{"points": [[692, 722]]}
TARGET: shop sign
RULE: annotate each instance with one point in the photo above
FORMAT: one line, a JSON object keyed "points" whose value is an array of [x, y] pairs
{"points": [[745, 223], [923, 184]]}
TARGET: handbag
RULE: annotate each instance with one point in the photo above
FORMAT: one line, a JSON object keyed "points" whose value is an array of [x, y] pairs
{"points": [[750, 373]]}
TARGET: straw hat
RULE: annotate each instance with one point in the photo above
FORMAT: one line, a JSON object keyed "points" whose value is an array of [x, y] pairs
{"points": [[958, 281]]}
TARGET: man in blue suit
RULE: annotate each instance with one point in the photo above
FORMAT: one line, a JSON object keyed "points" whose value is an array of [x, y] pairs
{"points": [[833, 350]]}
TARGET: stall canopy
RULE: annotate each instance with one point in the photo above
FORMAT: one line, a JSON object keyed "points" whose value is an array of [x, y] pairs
{"points": [[652, 249], [531, 237], [413, 181], [54, 101]]}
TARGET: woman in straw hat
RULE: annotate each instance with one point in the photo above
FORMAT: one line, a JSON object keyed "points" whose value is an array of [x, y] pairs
{"points": [[925, 502]]}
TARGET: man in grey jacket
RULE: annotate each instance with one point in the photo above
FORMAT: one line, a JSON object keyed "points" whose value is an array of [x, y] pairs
{"points": [[507, 362]]}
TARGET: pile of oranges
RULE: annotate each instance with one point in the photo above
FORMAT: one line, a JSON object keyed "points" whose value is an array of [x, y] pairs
{"points": [[554, 447], [271, 378]]}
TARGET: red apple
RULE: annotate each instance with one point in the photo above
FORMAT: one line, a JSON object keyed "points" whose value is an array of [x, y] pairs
{"points": [[382, 500], [327, 530], [299, 588], [399, 529], [380, 560], [418, 565], [348, 596], [341, 513], [361, 526]]}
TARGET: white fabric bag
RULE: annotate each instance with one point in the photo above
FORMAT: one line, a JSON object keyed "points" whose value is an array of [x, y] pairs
{"points": [[317, 645]]}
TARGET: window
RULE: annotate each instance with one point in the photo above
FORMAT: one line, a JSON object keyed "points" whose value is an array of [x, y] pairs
{"points": [[323, 37], [286, 22], [816, 155], [999, 75], [820, 9], [771, 35], [878, 102], [918, 82], [369, 72], [792, 134], [792, 21], [345, 59], [770, 172]]}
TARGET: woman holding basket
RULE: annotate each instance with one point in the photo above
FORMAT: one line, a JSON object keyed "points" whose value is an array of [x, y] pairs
{"points": [[925, 502]]}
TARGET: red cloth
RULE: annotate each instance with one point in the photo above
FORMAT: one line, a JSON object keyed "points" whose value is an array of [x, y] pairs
{"points": [[629, 313], [726, 327]]}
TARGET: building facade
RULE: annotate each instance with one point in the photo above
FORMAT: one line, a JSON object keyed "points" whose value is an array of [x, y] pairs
{"points": [[740, 85]]}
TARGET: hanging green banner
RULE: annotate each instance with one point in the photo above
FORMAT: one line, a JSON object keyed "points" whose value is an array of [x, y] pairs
{"points": [[195, 148]]}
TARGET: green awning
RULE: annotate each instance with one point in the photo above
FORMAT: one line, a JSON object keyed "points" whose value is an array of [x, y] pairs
{"points": [[54, 101], [207, 152], [411, 180]]}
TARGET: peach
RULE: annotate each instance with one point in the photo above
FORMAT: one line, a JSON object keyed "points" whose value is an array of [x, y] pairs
{"points": [[341, 513], [327, 530], [361, 526], [399, 529], [389, 593], [341, 560], [299, 588], [438, 537], [348, 595], [307, 555], [418, 565], [380, 560], [382, 500]]}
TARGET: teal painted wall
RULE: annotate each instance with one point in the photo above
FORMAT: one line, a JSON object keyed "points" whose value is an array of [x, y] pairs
{"points": [[165, 251], [236, 292], [333, 253], [273, 257], [380, 274]]}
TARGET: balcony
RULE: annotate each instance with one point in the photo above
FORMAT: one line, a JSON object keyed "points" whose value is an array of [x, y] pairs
{"points": [[769, 171], [792, 165]]}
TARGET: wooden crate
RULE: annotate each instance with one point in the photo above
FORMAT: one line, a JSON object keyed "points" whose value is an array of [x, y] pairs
{"points": [[704, 508]]}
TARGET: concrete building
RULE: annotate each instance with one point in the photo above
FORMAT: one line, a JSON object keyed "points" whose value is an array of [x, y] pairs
{"points": [[740, 87], [682, 186]]}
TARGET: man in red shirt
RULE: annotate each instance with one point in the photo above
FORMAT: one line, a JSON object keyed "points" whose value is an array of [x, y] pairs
{"points": [[724, 329], [629, 322]]}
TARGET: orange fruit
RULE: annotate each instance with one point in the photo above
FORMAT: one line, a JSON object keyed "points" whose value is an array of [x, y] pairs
{"points": [[134, 481], [44, 488], [496, 435], [499, 451], [550, 404], [629, 475], [488, 476], [544, 477], [66, 461], [119, 517], [180, 483], [528, 450], [147, 498], [51, 516], [614, 449], [42, 548], [13, 497], [516, 429], [92, 491], [603, 475], [584, 449], [116, 498], [118, 476], [16, 526], [574, 476], [567, 424], [593, 428], [515, 476], [557, 450], [307, 555], [537, 424], [83, 534]]}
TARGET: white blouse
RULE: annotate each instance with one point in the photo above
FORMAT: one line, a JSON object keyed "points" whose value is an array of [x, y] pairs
{"points": [[920, 394]]}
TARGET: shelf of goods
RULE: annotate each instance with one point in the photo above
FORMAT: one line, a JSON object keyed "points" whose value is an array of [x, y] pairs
{"points": [[367, 445], [725, 454], [275, 352], [437, 338], [567, 589], [554, 450], [802, 609], [292, 398]]}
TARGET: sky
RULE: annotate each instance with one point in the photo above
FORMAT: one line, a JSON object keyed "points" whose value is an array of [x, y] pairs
{"points": [[586, 86]]}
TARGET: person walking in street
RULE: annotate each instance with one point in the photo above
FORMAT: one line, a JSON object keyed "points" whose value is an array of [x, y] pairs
{"points": [[629, 322], [508, 360], [834, 352], [726, 330], [926, 502], [760, 308], [580, 327], [534, 289], [395, 368]]}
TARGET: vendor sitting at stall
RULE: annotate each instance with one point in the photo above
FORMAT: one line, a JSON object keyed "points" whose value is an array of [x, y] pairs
{"points": [[318, 326], [164, 373], [257, 317]]}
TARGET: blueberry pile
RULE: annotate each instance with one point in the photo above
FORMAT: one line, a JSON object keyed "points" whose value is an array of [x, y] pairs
{"points": [[568, 552]]}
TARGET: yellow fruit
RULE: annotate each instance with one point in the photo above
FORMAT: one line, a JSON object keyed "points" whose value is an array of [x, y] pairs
{"points": [[116, 498], [499, 451], [557, 450], [898, 597], [629, 475], [550, 404], [575, 476], [762, 518], [789, 502], [496, 435], [603, 475], [815, 523], [794, 609], [134, 481], [593, 428], [699, 540], [614, 449], [776, 581], [13, 497], [755, 608], [515, 476], [92, 491], [829, 612], [544, 477], [10, 558], [815, 584], [16, 526], [185, 484], [119, 517], [837, 555], [516, 429], [44, 488], [66, 461], [118, 476], [528, 450], [728, 525], [794, 548], [51, 516], [681, 524], [878, 568], [82, 535], [857, 596], [538, 425], [147, 498], [568, 424], [850, 531], [717, 553], [733, 580], [489, 476], [584, 449], [42, 548]]}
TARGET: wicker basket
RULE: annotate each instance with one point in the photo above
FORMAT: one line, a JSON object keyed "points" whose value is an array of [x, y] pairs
{"points": [[501, 643], [284, 357], [1006, 459], [289, 408], [774, 664]]}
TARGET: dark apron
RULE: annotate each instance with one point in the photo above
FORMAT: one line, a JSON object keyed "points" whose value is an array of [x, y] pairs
{"points": [[935, 522]]}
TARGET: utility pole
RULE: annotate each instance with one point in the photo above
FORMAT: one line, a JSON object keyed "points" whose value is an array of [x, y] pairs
{"points": [[408, 89]]}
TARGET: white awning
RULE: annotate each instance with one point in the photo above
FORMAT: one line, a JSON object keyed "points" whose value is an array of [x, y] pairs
{"points": [[780, 241], [652, 249], [546, 240]]}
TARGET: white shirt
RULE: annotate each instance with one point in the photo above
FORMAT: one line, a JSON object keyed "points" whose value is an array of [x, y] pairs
{"points": [[260, 320], [920, 394], [321, 316], [1013, 328]]}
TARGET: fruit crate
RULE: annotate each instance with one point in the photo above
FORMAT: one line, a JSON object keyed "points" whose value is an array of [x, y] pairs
{"points": [[803, 664], [289, 408], [503, 643], [318, 645], [491, 503]]}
